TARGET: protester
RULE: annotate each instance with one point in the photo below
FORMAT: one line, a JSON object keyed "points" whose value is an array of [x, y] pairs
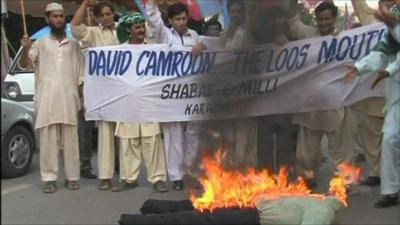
{"points": [[276, 133], [102, 35], [141, 139], [181, 139], [384, 59], [313, 126], [243, 150], [85, 128], [213, 28], [369, 120], [85, 138], [58, 67], [236, 33], [369, 114]]}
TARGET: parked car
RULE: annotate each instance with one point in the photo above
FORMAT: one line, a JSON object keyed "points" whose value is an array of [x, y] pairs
{"points": [[18, 142], [19, 85]]}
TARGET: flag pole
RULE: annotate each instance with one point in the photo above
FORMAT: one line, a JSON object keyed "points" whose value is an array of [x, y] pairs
{"points": [[89, 19], [23, 17]]}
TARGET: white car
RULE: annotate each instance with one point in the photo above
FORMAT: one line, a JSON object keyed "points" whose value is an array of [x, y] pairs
{"points": [[19, 85]]}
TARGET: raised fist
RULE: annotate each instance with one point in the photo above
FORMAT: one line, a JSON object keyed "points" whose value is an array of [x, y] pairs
{"points": [[26, 42], [90, 3]]}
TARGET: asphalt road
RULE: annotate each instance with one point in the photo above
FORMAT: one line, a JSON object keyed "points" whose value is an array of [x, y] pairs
{"points": [[23, 202]]}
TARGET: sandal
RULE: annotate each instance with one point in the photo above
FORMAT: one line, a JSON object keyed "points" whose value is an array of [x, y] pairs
{"points": [[49, 187], [72, 185], [160, 186], [104, 185]]}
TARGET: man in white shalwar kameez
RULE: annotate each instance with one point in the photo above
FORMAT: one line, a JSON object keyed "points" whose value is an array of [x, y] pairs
{"points": [[385, 59], [181, 138], [57, 62]]}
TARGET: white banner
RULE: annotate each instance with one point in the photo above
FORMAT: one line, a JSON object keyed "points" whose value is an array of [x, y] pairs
{"points": [[160, 83]]}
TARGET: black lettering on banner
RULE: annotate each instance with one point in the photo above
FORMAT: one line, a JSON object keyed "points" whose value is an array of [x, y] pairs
{"points": [[151, 64], [175, 64], [303, 54], [92, 61], [343, 48], [139, 63], [257, 86], [109, 62], [188, 109], [327, 51], [165, 91], [175, 91], [294, 53], [206, 108], [101, 63], [125, 62], [185, 63], [209, 61], [360, 45], [371, 35], [279, 66], [164, 63], [185, 91]]}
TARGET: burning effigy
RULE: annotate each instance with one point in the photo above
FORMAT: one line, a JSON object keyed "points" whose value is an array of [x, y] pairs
{"points": [[250, 197]]}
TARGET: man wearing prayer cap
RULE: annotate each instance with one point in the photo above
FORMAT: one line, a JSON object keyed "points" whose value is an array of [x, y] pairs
{"points": [[54, 7], [58, 66]]}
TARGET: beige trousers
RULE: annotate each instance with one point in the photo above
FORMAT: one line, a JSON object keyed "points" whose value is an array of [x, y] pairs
{"points": [[52, 139], [244, 151], [371, 136], [152, 151], [369, 128], [340, 144], [106, 149], [309, 149], [345, 135]]}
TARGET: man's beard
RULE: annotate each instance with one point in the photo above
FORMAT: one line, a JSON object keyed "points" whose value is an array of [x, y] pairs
{"points": [[57, 31]]}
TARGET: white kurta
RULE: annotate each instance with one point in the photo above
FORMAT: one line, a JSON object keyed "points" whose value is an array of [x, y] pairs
{"points": [[181, 139], [390, 161], [58, 71]]}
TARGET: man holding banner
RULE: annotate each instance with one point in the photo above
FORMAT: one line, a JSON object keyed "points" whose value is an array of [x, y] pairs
{"points": [[314, 125], [181, 145], [102, 35], [140, 141]]}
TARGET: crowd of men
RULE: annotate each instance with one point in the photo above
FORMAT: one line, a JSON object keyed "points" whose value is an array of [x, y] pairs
{"points": [[169, 150]]}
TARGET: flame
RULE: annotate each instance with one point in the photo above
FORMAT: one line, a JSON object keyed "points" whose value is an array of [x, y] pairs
{"points": [[337, 187], [224, 189], [350, 174], [346, 175]]}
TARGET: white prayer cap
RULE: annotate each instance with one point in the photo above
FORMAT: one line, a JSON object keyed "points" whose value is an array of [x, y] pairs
{"points": [[54, 7]]}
